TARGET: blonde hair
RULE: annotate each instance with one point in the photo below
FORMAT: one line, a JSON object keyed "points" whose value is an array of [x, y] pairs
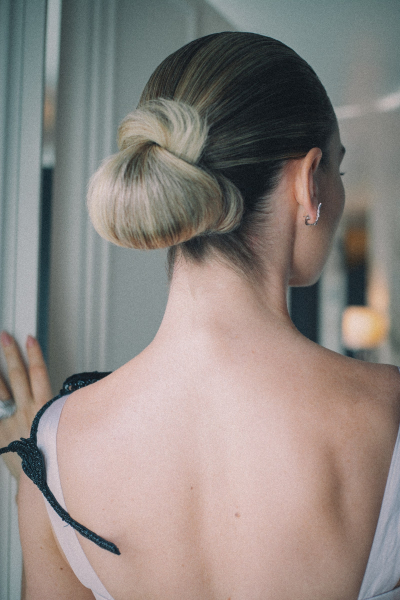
{"points": [[152, 194], [201, 154]]}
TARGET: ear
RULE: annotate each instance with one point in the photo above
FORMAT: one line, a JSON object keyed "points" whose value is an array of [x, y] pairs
{"points": [[306, 187]]}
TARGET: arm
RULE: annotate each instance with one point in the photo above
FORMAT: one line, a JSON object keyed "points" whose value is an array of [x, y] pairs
{"points": [[46, 572]]}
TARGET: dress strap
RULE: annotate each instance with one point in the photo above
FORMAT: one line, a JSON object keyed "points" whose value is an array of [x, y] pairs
{"points": [[33, 463], [383, 568], [66, 535]]}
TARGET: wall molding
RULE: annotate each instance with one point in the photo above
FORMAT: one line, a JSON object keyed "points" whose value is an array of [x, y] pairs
{"points": [[85, 135], [101, 144]]}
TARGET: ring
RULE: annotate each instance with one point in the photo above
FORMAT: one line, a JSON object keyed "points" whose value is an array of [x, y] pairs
{"points": [[7, 408]]}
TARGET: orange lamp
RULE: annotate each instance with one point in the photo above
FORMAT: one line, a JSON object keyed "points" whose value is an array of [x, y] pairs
{"points": [[363, 328]]}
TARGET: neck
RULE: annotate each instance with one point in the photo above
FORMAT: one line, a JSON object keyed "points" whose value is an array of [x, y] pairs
{"points": [[212, 300]]}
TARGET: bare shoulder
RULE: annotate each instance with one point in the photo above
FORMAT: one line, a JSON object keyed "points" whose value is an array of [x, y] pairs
{"points": [[378, 380], [370, 379], [361, 398], [385, 380], [96, 421], [87, 406], [371, 392]]}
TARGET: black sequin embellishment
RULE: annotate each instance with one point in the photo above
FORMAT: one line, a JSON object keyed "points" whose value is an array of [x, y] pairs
{"points": [[33, 462]]}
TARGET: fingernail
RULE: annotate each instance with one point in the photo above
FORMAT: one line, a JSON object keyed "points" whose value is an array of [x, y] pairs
{"points": [[5, 338], [30, 341]]}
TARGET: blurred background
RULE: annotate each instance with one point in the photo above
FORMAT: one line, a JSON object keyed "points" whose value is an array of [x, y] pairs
{"points": [[70, 70]]}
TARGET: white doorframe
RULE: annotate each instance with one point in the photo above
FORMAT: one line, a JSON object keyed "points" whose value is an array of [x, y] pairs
{"points": [[22, 52]]}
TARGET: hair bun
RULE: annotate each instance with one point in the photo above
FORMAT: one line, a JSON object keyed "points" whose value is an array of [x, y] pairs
{"points": [[152, 194], [172, 125]]}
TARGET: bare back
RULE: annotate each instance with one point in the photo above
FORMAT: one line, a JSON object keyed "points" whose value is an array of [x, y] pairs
{"points": [[218, 480]]}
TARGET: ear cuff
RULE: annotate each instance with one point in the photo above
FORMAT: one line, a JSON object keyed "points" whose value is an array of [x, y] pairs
{"points": [[318, 213]]}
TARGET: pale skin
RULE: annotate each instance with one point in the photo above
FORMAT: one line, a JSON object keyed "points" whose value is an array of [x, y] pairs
{"points": [[233, 458]]}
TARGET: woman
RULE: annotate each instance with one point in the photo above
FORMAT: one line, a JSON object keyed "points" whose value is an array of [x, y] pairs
{"points": [[233, 458]]}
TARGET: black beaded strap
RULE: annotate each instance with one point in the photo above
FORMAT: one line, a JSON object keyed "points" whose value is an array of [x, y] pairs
{"points": [[33, 462]]}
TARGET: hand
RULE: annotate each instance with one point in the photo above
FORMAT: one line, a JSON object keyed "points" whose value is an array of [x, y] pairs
{"points": [[29, 388]]}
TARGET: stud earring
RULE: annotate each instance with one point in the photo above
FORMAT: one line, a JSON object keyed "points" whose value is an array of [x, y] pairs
{"points": [[318, 213]]}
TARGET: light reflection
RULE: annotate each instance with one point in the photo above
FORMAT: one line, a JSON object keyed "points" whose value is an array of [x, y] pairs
{"points": [[385, 104]]}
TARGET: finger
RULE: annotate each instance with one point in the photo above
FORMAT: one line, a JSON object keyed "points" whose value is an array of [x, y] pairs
{"points": [[17, 373], [5, 393], [38, 374]]}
